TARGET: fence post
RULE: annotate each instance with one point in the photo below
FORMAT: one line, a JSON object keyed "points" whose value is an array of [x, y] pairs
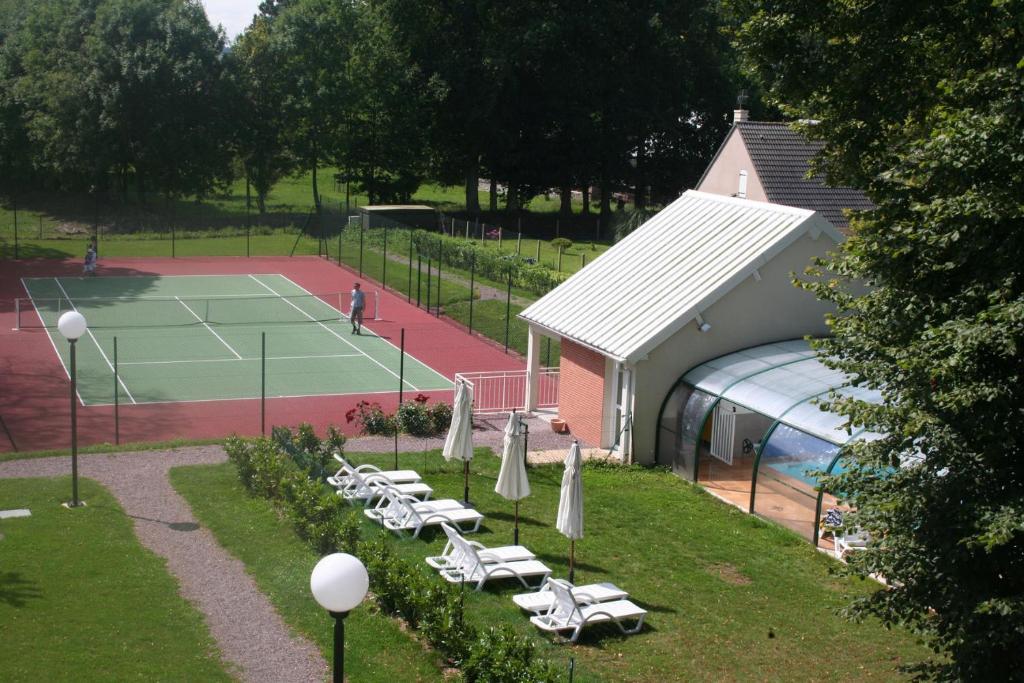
{"points": [[559, 268], [40, 226], [401, 384], [499, 237], [508, 308], [440, 250], [117, 415], [547, 358], [419, 276], [429, 259], [597, 229], [583, 260], [538, 251], [408, 290], [519, 243], [384, 271], [467, 227], [342, 232], [173, 242], [472, 278], [360, 248], [263, 383], [14, 202]]}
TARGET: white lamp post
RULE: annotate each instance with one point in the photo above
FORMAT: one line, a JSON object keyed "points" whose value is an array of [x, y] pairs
{"points": [[72, 325], [339, 583]]}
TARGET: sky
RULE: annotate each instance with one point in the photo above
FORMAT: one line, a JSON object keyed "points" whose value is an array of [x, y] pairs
{"points": [[233, 15]]}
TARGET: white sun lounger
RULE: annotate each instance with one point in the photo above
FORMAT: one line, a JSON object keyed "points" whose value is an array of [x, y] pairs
{"points": [[340, 478], [851, 542], [413, 515], [474, 568], [452, 557], [568, 613], [390, 505], [364, 489], [541, 601]]}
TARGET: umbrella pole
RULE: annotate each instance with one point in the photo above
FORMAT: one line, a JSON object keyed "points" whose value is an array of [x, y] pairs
{"points": [[572, 560], [516, 536], [465, 471]]}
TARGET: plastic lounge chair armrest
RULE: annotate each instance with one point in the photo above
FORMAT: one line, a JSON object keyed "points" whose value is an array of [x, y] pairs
{"points": [[368, 468]]}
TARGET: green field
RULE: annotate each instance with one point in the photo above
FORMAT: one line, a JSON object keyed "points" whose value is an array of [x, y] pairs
{"points": [[81, 600], [196, 338]]}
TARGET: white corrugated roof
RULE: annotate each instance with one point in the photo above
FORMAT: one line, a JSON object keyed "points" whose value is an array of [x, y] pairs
{"points": [[660, 277]]}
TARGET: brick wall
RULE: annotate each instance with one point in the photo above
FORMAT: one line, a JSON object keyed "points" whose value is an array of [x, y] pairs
{"points": [[581, 391]]}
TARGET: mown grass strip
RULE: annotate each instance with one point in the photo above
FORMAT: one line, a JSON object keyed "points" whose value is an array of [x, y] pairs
{"points": [[82, 600]]}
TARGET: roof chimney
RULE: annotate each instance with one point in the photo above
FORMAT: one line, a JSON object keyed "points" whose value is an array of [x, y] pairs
{"points": [[740, 113]]}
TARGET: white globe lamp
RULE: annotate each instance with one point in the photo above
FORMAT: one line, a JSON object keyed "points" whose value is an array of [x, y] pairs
{"points": [[71, 326], [339, 583]]}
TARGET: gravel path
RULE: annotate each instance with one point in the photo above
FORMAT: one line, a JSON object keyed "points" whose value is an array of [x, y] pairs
{"points": [[252, 637]]}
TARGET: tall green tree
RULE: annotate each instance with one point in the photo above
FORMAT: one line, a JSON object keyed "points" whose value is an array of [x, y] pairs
{"points": [[384, 141], [258, 85], [921, 104], [315, 38], [122, 88]]}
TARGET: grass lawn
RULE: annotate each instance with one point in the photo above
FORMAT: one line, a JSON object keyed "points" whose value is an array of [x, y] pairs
{"points": [[376, 649], [81, 600], [729, 597]]}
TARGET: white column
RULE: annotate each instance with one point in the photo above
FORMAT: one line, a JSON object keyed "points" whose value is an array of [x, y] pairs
{"points": [[626, 401], [532, 369]]}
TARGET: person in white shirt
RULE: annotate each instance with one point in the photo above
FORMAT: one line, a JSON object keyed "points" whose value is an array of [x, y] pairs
{"points": [[358, 304]]}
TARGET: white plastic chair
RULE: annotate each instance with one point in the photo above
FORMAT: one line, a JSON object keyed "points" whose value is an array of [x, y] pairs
{"points": [[340, 478], [567, 613], [540, 601], [365, 489], [479, 567], [850, 542], [404, 513], [452, 556]]}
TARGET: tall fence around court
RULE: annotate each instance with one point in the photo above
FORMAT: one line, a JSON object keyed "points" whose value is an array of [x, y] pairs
{"points": [[503, 391], [43, 225]]}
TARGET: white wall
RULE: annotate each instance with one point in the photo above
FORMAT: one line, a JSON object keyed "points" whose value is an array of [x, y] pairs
{"points": [[722, 177], [753, 313]]}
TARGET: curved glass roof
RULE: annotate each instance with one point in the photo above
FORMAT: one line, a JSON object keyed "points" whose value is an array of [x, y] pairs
{"points": [[782, 381]]}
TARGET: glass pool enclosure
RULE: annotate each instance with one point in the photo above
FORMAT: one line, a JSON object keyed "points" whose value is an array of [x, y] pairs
{"points": [[748, 428]]}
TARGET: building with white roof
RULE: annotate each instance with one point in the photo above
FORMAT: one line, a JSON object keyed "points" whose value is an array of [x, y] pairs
{"points": [[707, 276]]}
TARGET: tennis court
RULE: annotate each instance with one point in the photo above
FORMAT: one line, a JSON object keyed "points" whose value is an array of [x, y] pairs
{"points": [[209, 337]]}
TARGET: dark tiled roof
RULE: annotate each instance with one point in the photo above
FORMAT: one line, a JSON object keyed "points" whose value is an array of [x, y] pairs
{"points": [[781, 158]]}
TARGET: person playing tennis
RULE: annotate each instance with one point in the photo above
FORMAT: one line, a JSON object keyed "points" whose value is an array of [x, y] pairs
{"points": [[358, 304]]}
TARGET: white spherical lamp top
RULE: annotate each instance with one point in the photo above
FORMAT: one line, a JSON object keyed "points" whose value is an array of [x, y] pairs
{"points": [[71, 325], [339, 582]]}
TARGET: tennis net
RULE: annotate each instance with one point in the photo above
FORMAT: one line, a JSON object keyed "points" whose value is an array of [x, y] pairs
{"points": [[163, 311]]}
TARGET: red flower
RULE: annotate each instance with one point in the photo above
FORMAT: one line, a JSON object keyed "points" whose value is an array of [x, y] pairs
{"points": [[420, 398]]}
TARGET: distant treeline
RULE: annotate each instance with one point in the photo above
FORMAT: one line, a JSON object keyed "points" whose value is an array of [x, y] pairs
{"points": [[144, 95]]}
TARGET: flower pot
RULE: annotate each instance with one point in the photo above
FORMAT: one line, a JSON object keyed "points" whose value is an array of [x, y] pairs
{"points": [[559, 426]]}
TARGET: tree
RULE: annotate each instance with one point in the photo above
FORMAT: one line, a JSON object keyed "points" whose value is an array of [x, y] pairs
{"points": [[256, 75], [315, 38], [920, 103], [384, 145]]}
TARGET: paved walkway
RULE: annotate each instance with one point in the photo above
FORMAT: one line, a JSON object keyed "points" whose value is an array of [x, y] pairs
{"points": [[253, 638]]}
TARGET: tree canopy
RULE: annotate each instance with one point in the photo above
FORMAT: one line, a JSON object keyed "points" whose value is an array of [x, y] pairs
{"points": [[145, 95], [921, 104]]}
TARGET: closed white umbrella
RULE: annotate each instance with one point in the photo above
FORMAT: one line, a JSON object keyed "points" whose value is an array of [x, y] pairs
{"points": [[570, 503], [512, 482], [459, 444]]}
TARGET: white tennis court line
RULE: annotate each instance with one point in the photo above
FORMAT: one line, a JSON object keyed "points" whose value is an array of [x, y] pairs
{"points": [[98, 347], [220, 338], [235, 360], [257, 398], [388, 342], [49, 336], [368, 356]]}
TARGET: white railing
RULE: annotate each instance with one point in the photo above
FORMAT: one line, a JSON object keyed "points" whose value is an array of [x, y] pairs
{"points": [[503, 391]]}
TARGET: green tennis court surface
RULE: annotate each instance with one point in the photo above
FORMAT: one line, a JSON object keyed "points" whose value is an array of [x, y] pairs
{"points": [[200, 338]]}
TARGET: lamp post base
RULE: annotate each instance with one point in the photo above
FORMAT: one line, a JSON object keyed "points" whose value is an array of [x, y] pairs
{"points": [[70, 505]]}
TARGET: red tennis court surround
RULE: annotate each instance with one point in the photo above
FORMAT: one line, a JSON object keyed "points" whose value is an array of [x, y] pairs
{"points": [[35, 391]]}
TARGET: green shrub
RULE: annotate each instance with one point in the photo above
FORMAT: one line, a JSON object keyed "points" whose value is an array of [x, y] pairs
{"points": [[414, 418], [372, 419], [441, 416], [443, 622], [321, 518], [501, 656]]}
